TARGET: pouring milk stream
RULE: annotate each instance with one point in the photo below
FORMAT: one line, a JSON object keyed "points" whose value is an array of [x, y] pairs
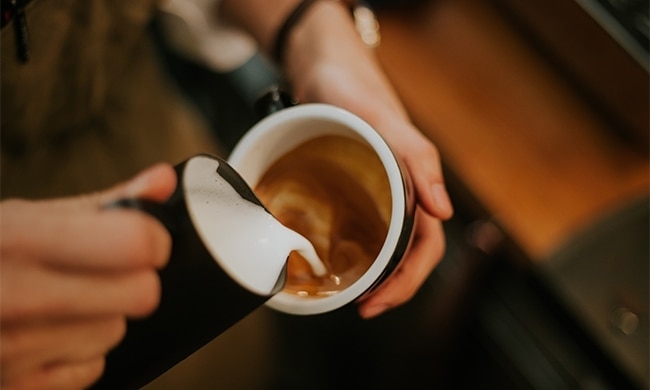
{"points": [[249, 242]]}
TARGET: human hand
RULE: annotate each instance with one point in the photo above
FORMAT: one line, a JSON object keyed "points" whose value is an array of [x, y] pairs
{"points": [[72, 273], [422, 163], [332, 65], [326, 61]]}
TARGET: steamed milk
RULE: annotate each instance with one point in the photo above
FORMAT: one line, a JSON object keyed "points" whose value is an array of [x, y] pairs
{"points": [[248, 243], [334, 191]]}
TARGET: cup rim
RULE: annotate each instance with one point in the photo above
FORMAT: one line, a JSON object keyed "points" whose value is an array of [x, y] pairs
{"points": [[256, 140]]}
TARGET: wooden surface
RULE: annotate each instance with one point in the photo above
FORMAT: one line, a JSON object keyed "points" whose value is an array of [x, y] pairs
{"points": [[508, 126]]}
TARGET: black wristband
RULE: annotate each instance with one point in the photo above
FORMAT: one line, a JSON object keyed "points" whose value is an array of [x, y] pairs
{"points": [[364, 20], [280, 43]]}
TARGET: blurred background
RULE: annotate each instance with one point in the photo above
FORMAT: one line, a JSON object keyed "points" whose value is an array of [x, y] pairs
{"points": [[540, 111]]}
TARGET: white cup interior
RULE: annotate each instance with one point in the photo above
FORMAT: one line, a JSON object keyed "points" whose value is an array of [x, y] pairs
{"points": [[283, 131]]}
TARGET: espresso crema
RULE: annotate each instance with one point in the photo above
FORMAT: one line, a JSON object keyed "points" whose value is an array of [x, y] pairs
{"points": [[334, 191]]}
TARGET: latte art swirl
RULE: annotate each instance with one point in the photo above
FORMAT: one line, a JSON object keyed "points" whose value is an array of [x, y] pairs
{"points": [[333, 191]]}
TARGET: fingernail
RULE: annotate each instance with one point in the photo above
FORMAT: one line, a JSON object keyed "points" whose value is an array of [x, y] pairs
{"points": [[374, 311], [441, 198]]}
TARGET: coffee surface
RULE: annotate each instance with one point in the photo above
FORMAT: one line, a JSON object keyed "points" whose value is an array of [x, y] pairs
{"points": [[334, 191]]}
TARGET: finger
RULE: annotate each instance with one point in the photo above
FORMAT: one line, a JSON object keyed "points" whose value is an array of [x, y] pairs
{"points": [[424, 254], [422, 161], [73, 228], [28, 347], [68, 375], [423, 164], [154, 183], [82, 239], [33, 292]]}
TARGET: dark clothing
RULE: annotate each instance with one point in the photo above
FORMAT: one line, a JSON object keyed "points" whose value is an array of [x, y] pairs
{"points": [[92, 105]]}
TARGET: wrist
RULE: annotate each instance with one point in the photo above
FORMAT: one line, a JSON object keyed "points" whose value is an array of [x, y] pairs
{"points": [[324, 38], [364, 20]]}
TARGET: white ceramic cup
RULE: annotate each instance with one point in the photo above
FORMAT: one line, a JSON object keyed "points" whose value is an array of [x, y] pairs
{"points": [[282, 131]]}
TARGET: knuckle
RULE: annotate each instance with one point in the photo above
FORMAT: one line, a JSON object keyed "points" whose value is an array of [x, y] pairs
{"points": [[146, 299], [401, 289], [438, 252], [77, 375], [149, 244], [406, 294], [115, 331], [92, 372], [13, 236]]}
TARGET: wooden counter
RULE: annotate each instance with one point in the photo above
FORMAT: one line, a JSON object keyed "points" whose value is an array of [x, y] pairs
{"points": [[509, 127]]}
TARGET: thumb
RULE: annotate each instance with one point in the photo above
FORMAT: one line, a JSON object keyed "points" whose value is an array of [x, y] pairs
{"points": [[155, 183]]}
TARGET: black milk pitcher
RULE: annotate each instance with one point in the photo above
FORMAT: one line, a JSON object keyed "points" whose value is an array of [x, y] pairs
{"points": [[222, 268]]}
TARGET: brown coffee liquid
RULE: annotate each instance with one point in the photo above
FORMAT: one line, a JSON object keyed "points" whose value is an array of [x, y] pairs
{"points": [[334, 191]]}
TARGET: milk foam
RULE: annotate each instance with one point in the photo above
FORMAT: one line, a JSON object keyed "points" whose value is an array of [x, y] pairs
{"points": [[247, 242]]}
